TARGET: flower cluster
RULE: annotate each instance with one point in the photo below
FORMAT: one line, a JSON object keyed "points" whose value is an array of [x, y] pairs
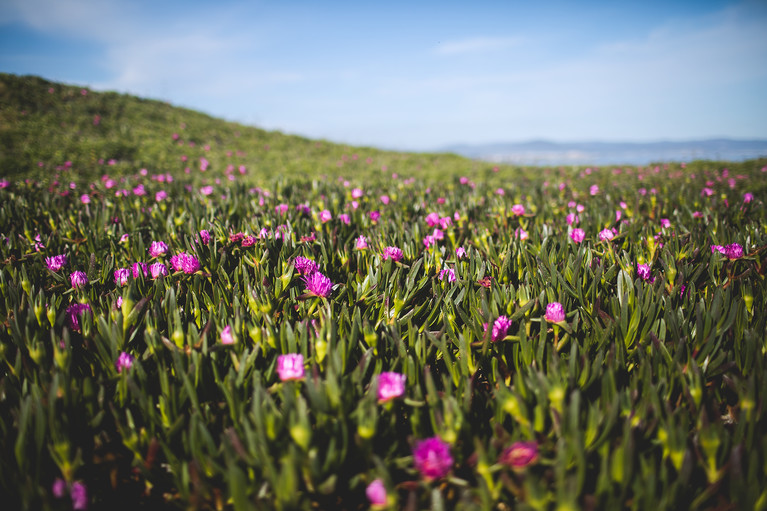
{"points": [[184, 262]]}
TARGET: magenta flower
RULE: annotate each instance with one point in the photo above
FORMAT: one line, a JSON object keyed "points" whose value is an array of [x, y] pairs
{"points": [[139, 269], [500, 328], [643, 271], [578, 235], [665, 223], [85, 198], [555, 313], [248, 241], [518, 209], [519, 455], [361, 243], [124, 362], [290, 366], [707, 192], [521, 234], [325, 216], [572, 218], [449, 273], [59, 487], [357, 193], [318, 285], [432, 458], [79, 279], [390, 385], [344, 218], [75, 312], [392, 252], [733, 251], [606, 235], [158, 270], [281, 209], [460, 252], [374, 216], [432, 219], [79, 494], [385, 199], [157, 248], [184, 262], [305, 266], [376, 493], [204, 237], [56, 263], [121, 276], [748, 197], [160, 196], [226, 335]]}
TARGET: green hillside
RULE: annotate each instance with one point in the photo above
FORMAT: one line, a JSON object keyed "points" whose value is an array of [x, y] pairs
{"points": [[44, 124]]}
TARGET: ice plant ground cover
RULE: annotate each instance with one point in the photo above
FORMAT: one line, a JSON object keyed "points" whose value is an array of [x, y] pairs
{"points": [[278, 363]]}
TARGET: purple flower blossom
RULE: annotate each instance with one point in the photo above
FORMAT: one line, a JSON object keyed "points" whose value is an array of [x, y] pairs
{"points": [[344, 218], [59, 487], [79, 494], [184, 262], [555, 313], [318, 284], [390, 385], [578, 235], [226, 335], [432, 219], [643, 271], [290, 366], [432, 458], [606, 235], [748, 197], [158, 270], [160, 196], [121, 276], [124, 362], [460, 252], [449, 273], [374, 216], [281, 209], [305, 266], [733, 251], [519, 455], [74, 313], [376, 493], [518, 209], [325, 216], [78, 278], [500, 328], [248, 241], [56, 263], [157, 248], [85, 198], [361, 243], [520, 234], [139, 269], [392, 252], [204, 237]]}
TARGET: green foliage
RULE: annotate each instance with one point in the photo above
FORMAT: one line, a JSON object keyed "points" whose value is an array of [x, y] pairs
{"points": [[649, 395]]}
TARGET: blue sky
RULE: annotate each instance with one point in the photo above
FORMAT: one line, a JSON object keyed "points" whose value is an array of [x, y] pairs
{"points": [[416, 75]]}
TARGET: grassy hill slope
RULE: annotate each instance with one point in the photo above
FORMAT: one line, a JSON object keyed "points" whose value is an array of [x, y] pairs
{"points": [[44, 124]]}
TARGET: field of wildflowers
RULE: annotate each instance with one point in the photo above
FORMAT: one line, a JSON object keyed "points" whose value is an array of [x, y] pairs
{"points": [[382, 337]]}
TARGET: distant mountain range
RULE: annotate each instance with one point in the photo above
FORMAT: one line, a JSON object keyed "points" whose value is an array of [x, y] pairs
{"points": [[543, 152]]}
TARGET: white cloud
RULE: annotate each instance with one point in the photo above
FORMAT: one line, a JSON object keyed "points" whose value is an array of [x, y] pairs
{"points": [[476, 45]]}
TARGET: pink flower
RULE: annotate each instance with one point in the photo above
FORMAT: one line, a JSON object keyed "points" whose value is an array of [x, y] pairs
{"points": [[432, 458], [79, 279], [357, 193], [79, 494], [392, 252], [500, 328], [56, 263], [160, 196], [643, 271], [385, 200], [281, 209], [290, 366], [75, 312], [578, 235], [206, 190], [139, 269], [184, 262], [59, 488], [519, 455], [318, 285], [707, 192], [124, 362], [428, 241], [733, 251], [248, 241], [555, 313], [518, 209], [606, 235], [361, 243], [158, 270], [594, 190], [325, 216], [521, 234], [374, 216], [571, 219], [460, 252], [85, 198], [500, 191], [665, 223], [376, 493], [121, 276], [390, 385], [748, 197], [344, 218], [157, 248], [449, 272], [204, 237], [432, 219], [226, 335], [305, 266]]}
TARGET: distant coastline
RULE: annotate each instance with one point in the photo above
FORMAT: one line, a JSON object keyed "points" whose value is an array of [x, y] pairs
{"points": [[543, 152]]}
